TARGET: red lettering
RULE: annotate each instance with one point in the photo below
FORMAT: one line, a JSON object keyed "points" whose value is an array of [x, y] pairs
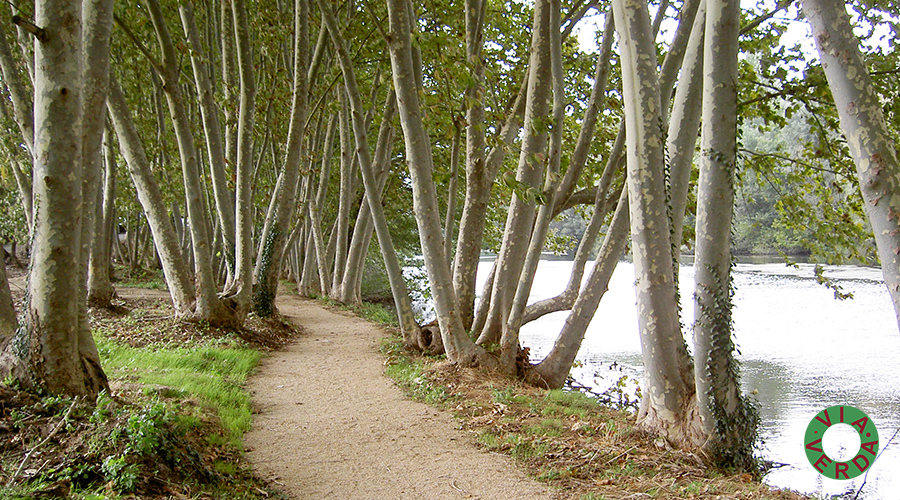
{"points": [[827, 420], [864, 467], [821, 461], [842, 414], [841, 468], [870, 447], [813, 448], [862, 424]]}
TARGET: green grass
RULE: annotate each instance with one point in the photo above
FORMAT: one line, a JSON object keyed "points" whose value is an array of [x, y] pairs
{"points": [[214, 376]]}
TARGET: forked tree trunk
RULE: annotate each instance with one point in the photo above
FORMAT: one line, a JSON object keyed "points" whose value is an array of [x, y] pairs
{"points": [[668, 403], [530, 172], [729, 421], [51, 353], [472, 220], [864, 127], [459, 347]]}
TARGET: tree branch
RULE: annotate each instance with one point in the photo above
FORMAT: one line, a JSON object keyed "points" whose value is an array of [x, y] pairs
{"points": [[29, 26]]}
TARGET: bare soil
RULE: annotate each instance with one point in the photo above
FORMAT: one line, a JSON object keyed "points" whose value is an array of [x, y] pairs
{"points": [[331, 425]]}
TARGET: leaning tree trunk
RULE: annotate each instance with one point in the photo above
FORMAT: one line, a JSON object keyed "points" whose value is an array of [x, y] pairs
{"points": [[49, 352], [729, 422], [863, 124], [668, 403], [471, 222], [150, 197], [272, 240], [553, 370], [208, 306], [459, 347], [408, 326], [520, 220]]}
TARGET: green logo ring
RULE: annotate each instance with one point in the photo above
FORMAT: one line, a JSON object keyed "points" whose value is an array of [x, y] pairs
{"points": [[864, 456]]}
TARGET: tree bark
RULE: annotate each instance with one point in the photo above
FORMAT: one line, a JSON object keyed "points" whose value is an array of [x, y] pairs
{"points": [[668, 401], [345, 197], [864, 127]]}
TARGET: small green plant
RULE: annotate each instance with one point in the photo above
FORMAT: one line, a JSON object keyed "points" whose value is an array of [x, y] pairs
{"points": [[102, 408], [120, 473]]}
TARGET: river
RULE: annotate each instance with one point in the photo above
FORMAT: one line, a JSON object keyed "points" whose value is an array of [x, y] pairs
{"points": [[801, 350]]}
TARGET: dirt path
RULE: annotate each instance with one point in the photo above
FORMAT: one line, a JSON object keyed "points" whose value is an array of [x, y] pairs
{"points": [[330, 425]]}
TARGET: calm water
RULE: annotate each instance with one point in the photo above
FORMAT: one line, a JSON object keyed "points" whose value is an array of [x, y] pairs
{"points": [[801, 349]]}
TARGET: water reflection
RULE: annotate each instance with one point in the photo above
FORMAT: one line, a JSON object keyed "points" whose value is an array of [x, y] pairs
{"points": [[801, 349]]}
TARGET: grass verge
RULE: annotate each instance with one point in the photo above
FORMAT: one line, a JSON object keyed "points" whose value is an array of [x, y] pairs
{"points": [[170, 428]]}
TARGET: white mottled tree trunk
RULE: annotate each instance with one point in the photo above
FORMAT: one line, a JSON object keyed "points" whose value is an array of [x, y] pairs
{"points": [[50, 352], [864, 127], [729, 425], [668, 401]]}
